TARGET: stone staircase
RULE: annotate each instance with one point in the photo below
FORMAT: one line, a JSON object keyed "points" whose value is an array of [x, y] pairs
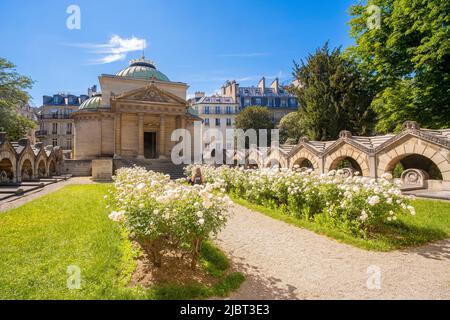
{"points": [[157, 165]]}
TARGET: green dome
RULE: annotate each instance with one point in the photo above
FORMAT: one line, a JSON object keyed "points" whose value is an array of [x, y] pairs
{"points": [[142, 69], [91, 104]]}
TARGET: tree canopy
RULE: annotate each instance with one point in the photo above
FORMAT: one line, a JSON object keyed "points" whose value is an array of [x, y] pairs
{"points": [[291, 128], [12, 95], [254, 117], [257, 118], [333, 95], [408, 58]]}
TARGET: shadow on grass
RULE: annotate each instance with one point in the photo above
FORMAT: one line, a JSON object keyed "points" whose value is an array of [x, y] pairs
{"points": [[403, 235]]}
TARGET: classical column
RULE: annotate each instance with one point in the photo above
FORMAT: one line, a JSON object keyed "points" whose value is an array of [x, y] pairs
{"points": [[141, 136], [162, 136], [118, 136]]}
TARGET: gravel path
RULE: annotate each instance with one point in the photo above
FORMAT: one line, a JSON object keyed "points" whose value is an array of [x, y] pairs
{"points": [[286, 262]]}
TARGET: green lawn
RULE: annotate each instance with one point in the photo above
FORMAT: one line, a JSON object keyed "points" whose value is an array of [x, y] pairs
{"points": [[41, 239], [431, 223]]}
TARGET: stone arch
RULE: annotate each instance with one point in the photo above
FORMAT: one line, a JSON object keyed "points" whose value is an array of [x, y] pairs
{"points": [[254, 160], [26, 170], [51, 170], [27, 165], [415, 148], [6, 171], [350, 153], [41, 168], [276, 157], [303, 155], [9, 165]]}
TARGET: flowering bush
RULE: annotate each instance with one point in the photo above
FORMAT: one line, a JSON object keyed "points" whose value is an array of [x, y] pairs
{"points": [[159, 212], [355, 204]]}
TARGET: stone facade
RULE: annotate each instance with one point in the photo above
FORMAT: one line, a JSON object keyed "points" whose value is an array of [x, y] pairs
{"points": [[217, 113], [22, 161], [274, 97], [134, 117]]}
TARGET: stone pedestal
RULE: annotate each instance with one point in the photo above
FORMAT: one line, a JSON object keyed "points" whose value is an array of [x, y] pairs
{"points": [[102, 169]]}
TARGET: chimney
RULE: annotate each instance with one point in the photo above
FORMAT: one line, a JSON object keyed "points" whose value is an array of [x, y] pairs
{"points": [[262, 85], [92, 91], [275, 86], [199, 94]]}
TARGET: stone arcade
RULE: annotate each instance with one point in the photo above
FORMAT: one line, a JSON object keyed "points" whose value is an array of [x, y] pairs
{"points": [[21, 161], [423, 153]]}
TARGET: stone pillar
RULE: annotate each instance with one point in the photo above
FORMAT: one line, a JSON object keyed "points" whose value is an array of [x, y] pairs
{"points": [[118, 136], [183, 126], [141, 136], [372, 166], [100, 129], [162, 137]]}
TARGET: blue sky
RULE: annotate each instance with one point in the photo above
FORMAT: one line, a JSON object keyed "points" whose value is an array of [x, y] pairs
{"points": [[199, 42]]}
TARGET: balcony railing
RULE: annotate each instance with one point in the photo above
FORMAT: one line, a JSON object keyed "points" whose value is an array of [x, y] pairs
{"points": [[41, 133], [53, 116]]}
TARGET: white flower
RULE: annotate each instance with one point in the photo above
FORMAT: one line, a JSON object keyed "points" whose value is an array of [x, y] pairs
{"points": [[373, 200], [201, 222], [387, 176], [363, 217], [200, 214], [140, 186], [117, 216]]}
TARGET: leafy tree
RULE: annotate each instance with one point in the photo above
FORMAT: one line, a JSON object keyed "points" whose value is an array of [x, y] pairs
{"points": [[291, 127], [255, 117], [408, 58], [333, 95], [13, 94]]}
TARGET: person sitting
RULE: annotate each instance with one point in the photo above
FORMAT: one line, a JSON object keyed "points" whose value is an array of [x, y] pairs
{"points": [[197, 177]]}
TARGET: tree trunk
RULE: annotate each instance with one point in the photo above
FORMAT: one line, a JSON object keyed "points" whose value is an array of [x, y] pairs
{"points": [[197, 244], [155, 250]]}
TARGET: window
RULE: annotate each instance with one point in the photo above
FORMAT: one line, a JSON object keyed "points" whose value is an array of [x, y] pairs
{"points": [[55, 142], [217, 122], [54, 128], [206, 110], [218, 110], [228, 122], [69, 128], [247, 102], [228, 110], [283, 103], [69, 144], [258, 101], [207, 122]]}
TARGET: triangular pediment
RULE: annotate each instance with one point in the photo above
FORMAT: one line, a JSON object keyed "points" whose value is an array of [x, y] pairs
{"points": [[150, 93]]}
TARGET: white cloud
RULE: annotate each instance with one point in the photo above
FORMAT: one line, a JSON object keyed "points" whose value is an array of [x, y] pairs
{"points": [[115, 49]]}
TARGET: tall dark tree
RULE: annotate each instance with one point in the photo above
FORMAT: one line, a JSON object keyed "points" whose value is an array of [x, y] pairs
{"points": [[408, 56], [333, 95], [13, 94]]}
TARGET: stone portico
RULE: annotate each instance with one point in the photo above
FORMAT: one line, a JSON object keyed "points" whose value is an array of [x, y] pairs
{"points": [[134, 117]]}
